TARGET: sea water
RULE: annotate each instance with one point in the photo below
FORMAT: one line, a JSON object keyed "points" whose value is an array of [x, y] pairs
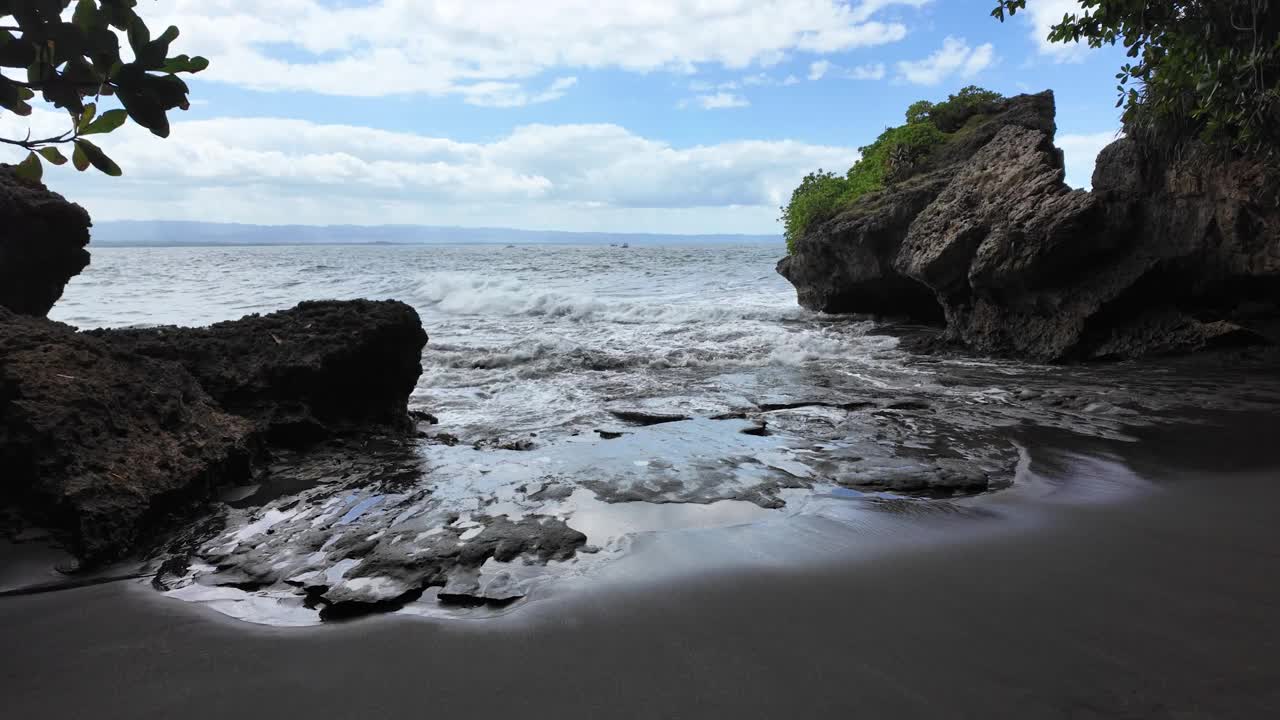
{"points": [[788, 421]]}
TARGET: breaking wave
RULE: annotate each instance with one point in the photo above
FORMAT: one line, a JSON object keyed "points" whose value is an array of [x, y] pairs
{"points": [[467, 294]]}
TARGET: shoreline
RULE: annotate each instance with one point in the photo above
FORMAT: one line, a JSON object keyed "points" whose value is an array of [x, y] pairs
{"points": [[1158, 606]]}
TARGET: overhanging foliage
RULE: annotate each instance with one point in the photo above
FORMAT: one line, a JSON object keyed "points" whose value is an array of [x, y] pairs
{"points": [[73, 64]]}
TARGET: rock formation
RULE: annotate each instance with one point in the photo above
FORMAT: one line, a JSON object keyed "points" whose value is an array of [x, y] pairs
{"points": [[105, 434], [107, 431], [42, 240], [105, 442], [1163, 256], [302, 374]]}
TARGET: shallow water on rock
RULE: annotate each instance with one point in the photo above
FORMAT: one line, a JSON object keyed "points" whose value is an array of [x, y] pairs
{"points": [[593, 398]]}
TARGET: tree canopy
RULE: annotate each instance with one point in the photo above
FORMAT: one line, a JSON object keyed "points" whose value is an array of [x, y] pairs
{"points": [[75, 60], [1201, 68]]}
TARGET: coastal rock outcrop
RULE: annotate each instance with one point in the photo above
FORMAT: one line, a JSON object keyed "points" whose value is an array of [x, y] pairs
{"points": [[1163, 256], [42, 244], [106, 442], [106, 432], [302, 374]]}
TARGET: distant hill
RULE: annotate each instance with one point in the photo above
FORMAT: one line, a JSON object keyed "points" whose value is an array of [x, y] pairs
{"points": [[159, 233]]}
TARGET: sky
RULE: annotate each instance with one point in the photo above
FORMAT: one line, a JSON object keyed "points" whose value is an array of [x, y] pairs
{"points": [[666, 116]]}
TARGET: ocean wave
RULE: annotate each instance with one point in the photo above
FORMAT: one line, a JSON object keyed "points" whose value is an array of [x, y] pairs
{"points": [[708, 348], [468, 294]]}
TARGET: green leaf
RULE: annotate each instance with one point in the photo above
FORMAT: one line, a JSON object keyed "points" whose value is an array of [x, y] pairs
{"points": [[12, 97], [79, 159], [81, 73], [86, 15], [30, 169], [87, 116], [145, 111], [104, 47], [97, 158], [108, 121], [64, 42], [138, 34], [153, 55], [52, 155], [14, 54], [182, 63]]}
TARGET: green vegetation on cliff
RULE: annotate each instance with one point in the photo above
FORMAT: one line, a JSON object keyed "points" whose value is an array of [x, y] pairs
{"points": [[823, 194], [1206, 69]]}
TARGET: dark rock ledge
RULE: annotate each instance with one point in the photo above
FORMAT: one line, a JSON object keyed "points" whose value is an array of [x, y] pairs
{"points": [[301, 375], [109, 435], [1163, 256]]}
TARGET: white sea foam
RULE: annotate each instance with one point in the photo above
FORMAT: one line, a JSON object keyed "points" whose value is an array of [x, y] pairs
{"points": [[521, 332]]}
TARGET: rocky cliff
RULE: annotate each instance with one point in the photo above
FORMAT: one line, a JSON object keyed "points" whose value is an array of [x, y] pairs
{"points": [[984, 236]]}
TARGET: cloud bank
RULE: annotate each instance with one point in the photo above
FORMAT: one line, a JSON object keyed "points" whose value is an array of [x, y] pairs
{"points": [[485, 51]]}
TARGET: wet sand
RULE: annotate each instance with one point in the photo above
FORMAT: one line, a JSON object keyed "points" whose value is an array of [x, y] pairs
{"points": [[1161, 605]]}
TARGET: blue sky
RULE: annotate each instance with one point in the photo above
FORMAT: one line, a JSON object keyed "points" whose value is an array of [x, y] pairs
{"points": [[665, 116]]}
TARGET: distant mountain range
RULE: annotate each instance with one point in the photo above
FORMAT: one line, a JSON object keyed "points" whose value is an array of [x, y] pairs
{"points": [[160, 233]]}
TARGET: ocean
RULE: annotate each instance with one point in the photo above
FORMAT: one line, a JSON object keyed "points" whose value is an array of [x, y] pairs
{"points": [[674, 404], [523, 339]]}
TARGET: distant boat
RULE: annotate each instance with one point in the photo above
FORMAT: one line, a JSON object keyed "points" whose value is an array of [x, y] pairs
{"points": [[625, 245]]}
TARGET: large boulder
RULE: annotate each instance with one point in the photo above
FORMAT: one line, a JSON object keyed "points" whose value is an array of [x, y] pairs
{"points": [[1164, 256], [109, 433], [106, 442], [302, 374], [42, 241]]}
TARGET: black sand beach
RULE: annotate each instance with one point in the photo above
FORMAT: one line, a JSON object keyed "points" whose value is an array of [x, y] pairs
{"points": [[1163, 605]]}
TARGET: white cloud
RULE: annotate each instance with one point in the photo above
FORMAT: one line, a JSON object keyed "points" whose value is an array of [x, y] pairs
{"points": [[1043, 15], [1081, 154], [503, 94], [867, 8], [485, 49], [721, 95], [763, 79], [577, 177], [954, 58], [721, 101], [822, 68], [868, 72]]}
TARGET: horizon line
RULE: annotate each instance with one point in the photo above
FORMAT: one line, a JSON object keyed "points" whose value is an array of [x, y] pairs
{"points": [[424, 226]]}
